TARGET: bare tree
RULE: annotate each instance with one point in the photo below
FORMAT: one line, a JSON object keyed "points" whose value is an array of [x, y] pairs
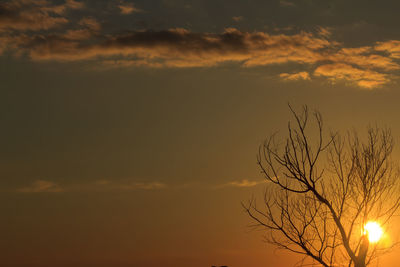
{"points": [[323, 189]]}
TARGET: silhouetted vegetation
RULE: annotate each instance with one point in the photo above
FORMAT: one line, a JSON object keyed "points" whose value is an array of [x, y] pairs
{"points": [[323, 189]]}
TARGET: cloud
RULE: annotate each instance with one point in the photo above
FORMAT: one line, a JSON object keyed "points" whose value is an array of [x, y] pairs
{"points": [[286, 3], [366, 66], [79, 34], [33, 15], [363, 78], [237, 18], [107, 185], [147, 186], [109, 64], [182, 48], [242, 183], [295, 76], [74, 4], [44, 186], [90, 23], [128, 8], [29, 15], [324, 31], [392, 47], [41, 186], [362, 57], [90, 28], [8, 43]]}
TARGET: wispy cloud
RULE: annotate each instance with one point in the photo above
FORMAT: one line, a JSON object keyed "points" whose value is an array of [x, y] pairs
{"points": [[126, 185], [73, 4], [180, 48], [237, 18], [34, 15], [392, 47], [241, 183], [42, 31], [363, 78], [108, 185], [324, 31], [128, 8], [286, 3], [29, 15], [363, 57], [90, 23], [41, 186], [88, 28], [302, 75]]}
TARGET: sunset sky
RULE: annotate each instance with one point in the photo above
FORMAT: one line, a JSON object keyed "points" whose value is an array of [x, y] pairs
{"points": [[130, 128]]}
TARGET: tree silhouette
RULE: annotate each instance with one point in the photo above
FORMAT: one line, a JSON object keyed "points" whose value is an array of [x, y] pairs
{"points": [[322, 190]]}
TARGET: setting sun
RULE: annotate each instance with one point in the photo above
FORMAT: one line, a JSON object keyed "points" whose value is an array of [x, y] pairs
{"points": [[374, 231]]}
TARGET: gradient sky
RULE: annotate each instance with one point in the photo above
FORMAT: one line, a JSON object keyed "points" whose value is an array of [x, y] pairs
{"points": [[130, 128]]}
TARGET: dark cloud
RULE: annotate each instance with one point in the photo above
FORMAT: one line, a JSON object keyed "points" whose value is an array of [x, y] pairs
{"points": [[88, 28], [34, 14], [180, 45], [365, 66]]}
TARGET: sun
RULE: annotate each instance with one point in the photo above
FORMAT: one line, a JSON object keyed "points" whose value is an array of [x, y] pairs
{"points": [[374, 231]]}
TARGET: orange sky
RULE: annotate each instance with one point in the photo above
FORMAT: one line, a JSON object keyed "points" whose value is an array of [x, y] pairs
{"points": [[130, 128]]}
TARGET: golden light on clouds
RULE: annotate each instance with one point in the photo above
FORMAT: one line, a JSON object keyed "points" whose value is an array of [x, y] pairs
{"points": [[45, 31], [374, 231]]}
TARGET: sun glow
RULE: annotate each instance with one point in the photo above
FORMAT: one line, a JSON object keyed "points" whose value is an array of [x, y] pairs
{"points": [[374, 231]]}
